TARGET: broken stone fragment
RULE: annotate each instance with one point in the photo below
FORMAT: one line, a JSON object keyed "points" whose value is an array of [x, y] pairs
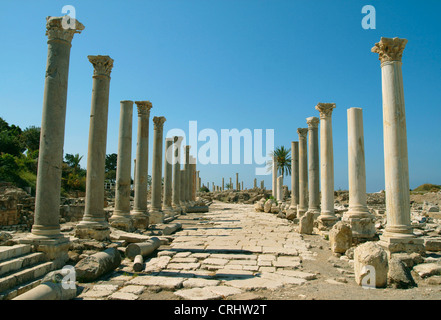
{"points": [[98, 264]]}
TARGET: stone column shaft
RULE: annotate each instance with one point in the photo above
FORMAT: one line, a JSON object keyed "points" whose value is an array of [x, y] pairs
{"points": [[327, 216], [168, 176], [155, 214], [294, 175], [313, 162], [237, 182], [139, 213], [358, 215], [280, 189], [94, 224], [303, 171], [121, 215], [176, 176], [274, 171], [398, 235], [47, 199]]}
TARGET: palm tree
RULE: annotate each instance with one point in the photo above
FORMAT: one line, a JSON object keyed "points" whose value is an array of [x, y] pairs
{"points": [[73, 161], [283, 160]]}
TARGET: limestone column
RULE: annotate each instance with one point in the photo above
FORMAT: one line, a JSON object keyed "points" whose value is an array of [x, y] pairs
{"points": [[294, 175], [121, 215], [94, 223], [241, 186], [313, 170], [231, 184], [155, 213], [187, 176], [168, 177], [198, 181], [274, 190], [358, 216], [262, 184], [398, 235], [46, 227], [237, 182], [140, 212], [280, 189], [183, 187], [193, 179], [176, 196], [255, 183], [223, 186], [327, 216], [303, 172]]}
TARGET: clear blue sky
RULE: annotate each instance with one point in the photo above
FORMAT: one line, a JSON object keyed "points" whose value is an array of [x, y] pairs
{"points": [[235, 64]]}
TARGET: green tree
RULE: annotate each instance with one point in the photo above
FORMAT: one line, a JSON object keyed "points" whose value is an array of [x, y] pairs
{"points": [[10, 139], [73, 160], [30, 138], [283, 160]]}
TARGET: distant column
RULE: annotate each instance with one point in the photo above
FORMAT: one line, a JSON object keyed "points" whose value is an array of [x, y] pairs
{"points": [[121, 215], [255, 183], [237, 182], [168, 177], [280, 189], [398, 233], [176, 196], [94, 223], [274, 190], [156, 215], [140, 211], [327, 216], [313, 162], [223, 186], [303, 172], [294, 175]]}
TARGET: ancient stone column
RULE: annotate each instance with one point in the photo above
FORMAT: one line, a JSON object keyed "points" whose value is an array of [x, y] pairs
{"points": [[280, 189], [187, 176], [231, 184], [274, 190], [255, 183], [140, 212], [358, 216], [241, 186], [155, 213], [223, 186], [294, 175], [303, 172], [198, 181], [183, 187], [168, 177], [237, 182], [121, 218], [398, 235], [94, 223], [327, 216], [313, 170], [176, 176], [46, 228], [262, 184], [193, 179]]}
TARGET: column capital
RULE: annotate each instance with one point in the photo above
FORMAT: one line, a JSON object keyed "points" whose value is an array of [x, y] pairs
{"points": [[158, 122], [102, 65], [56, 31], [312, 122], [302, 132], [325, 109], [143, 108], [389, 49]]}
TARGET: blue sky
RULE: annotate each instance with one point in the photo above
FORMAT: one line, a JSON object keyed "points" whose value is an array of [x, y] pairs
{"points": [[235, 64]]}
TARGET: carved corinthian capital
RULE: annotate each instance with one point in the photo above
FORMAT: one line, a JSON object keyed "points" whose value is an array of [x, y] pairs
{"points": [[55, 30], [325, 109], [143, 108], [312, 122], [390, 49], [102, 65], [158, 122], [303, 132]]}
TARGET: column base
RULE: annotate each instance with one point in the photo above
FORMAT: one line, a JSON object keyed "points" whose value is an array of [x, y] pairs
{"points": [[140, 220], [362, 225], [156, 216], [56, 249], [315, 212], [409, 244], [124, 223], [301, 211], [325, 222], [93, 230]]}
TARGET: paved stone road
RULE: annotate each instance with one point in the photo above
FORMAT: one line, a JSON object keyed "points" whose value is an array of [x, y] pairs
{"points": [[224, 253]]}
